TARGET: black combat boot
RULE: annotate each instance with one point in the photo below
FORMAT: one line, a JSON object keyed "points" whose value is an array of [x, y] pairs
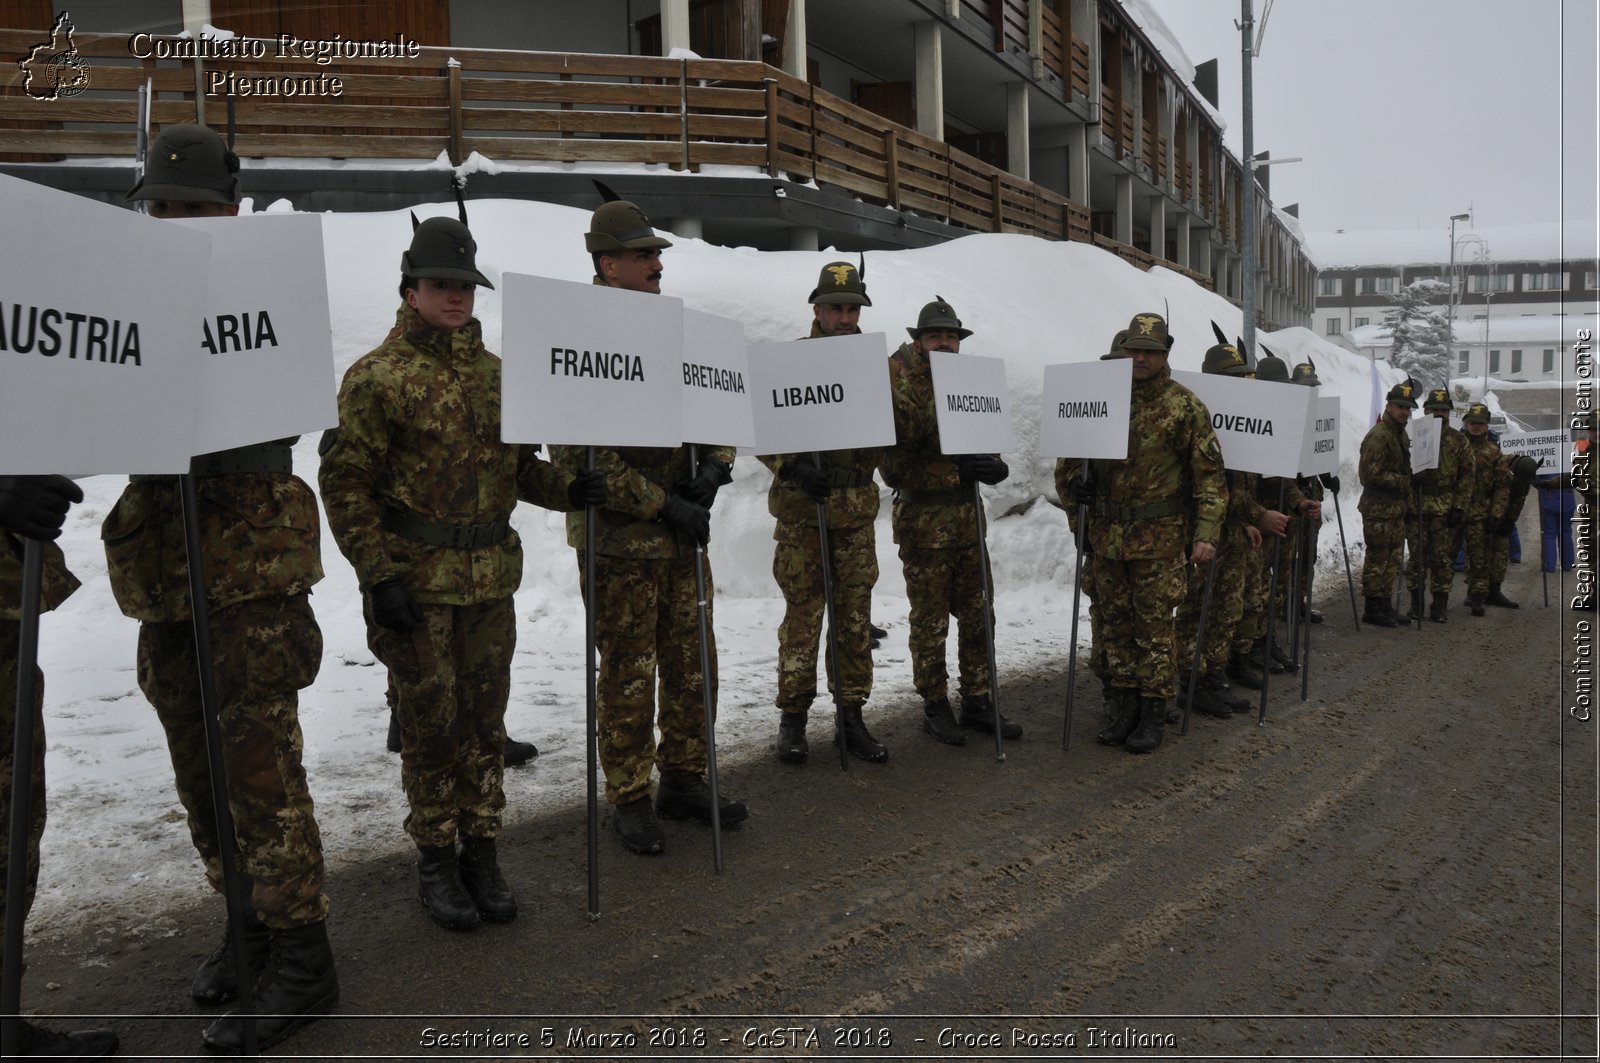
{"points": [[77, 1044], [1496, 598], [1244, 672], [1378, 613], [685, 795], [394, 732], [857, 739], [792, 747], [1124, 706], [1283, 659], [1415, 612], [441, 889], [217, 980], [519, 753], [1441, 603], [479, 863], [1475, 603], [977, 714], [636, 824], [1152, 719], [297, 986], [940, 722], [1258, 657], [1219, 689], [1201, 699]]}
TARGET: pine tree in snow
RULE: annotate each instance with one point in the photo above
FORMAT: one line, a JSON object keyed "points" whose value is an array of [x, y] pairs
{"points": [[1421, 335]]}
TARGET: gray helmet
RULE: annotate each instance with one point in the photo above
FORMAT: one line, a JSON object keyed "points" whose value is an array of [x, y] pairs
{"points": [[840, 282], [1438, 399], [620, 226], [1148, 332], [1224, 359], [1116, 346], [938, 315], [1477, 413], [189, 163], [1524, 468], [443, 249], [1271, 367], [1305, 373]]}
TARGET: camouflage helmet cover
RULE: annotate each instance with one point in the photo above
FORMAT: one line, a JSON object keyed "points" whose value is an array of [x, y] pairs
{"points": [[443, 249], [189, 163], [938, 315], [620, 226], [1148, 332], [840, 282]]}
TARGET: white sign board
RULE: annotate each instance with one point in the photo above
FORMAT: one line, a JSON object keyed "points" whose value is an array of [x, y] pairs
{"points": [[98, 309], [971, 405], [588, 365], [1084, 408], [1553, 446], [265, 366], [716, 379], [1425, 433], [1260, 424], [822, 394], [1320, 453]]}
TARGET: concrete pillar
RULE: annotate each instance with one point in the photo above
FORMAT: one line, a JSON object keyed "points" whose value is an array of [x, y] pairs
{"points": [[674, 25], [1202, 261], [1158, 227], [929, 84], [1018, 146], [802, 238], [1123, 228], [1078, 164], [1183, 222], [795, 48]]}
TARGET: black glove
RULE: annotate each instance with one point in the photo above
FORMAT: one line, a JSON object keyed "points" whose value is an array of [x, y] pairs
{"points": [[393, 607], [36, 506], [702, 489], [687, 519], [807, 477], [1506, 526], [1331, 482], [1080, 491], [1454, 518], [1491, 525], [985, 468], [588, 488]]}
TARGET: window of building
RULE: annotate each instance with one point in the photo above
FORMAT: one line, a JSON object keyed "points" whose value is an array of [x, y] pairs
{"points": [[1330, 285], [1497, 282], [1549, 360], [1590, 279], [1463, 362], [1376, 286], [1333, 326], [1363, 321], [1516, 361], [1544, 282], [1494, 361]]}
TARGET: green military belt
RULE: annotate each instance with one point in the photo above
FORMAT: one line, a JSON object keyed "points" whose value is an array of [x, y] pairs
{"points": [[261, 457], [953, 496], [1167, 507], [847, 478], [1386, 492], [408, 525]]}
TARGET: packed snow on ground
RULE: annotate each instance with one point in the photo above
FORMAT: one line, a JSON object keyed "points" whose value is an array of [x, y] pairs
{"points": [[116, 852]]}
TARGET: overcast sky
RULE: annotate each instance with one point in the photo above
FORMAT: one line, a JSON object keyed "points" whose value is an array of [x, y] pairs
{"points": [[1409, 111]]}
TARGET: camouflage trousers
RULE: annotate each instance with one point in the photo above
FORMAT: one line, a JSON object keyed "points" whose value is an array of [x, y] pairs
{"points": [[1386, 540], [1136, 600], [453, 675], [1487, 557], [1234, 558], [1097, 650], [647, 632], [1434, 545], [10, 636], [1252, 623], [263, 652], [797, 566], [941, 583]]}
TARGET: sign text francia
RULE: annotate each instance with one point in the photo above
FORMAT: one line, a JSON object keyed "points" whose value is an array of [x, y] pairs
{"points": [[601, 365]]}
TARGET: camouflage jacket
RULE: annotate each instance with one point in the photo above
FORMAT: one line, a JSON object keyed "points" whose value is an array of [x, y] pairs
{"points": [[638, 480], [1385, 471], [1449, 486], [1169, 491], [854, 502], [1491, 478], [57, 586], [260, 538], [419, 436], [932, 507], [1244, 503], [1267, 488]]}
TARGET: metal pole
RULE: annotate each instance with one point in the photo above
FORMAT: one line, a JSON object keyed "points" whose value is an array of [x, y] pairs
{"points": [[1077, 596], [1292, 607], [210, 715], [1350, 580], [988, 618], [1305, 658], [592, 709], [1248, 251], [1199, 640], [833, 627], [21, 797], [705, 685], [1272, 605]]}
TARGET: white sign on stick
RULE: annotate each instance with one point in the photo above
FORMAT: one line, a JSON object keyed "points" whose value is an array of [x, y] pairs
{"points": [[1425, 433], [1260, 424], [1321, 451], [588, 365], [971, 404], [716, 379], [266, 346], [98, 310], [1084, 409], [1552, 448], [822, 394]]}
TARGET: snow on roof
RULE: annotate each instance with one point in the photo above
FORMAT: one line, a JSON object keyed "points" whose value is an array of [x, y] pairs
{"points": [[1536, 242], [1149, 21], [1537, 328]]}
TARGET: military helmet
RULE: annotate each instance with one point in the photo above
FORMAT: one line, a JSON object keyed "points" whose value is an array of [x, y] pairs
{"points": [[1438, 399], [1224, 359], [443, 249], [840, 282], [620, 226], [938, 315], [1477, 413], [189, 163], [1402, 395], [1148, 332], [1116, 346], [1272, 368], [1524, 468], [1305, 373]]}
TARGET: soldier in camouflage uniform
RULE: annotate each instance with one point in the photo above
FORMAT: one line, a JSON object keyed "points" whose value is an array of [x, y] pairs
{"points": [[844, 486], [1487, 552], [1315, 488], [1446, 495], [1385, 504], [1162, 504], [33, 507], [646, 615], [419, 491], [936, 528], [260, 544]]}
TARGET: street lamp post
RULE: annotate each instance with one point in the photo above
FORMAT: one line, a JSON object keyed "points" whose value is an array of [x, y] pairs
{"points": [[1450, 278]]}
